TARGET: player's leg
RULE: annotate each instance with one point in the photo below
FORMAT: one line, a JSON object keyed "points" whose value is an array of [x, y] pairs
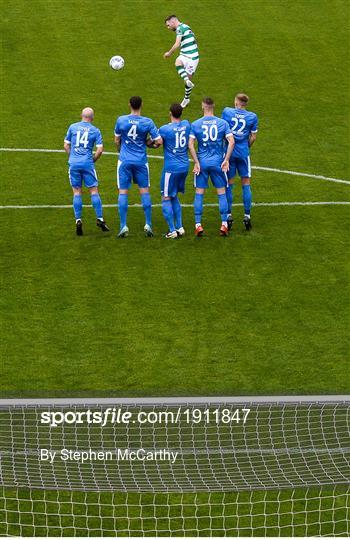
{"points": [[189, 67], [166, 189], [231, 173], [177, 211], [181, 70], [76, 182], [219, 179], [200, 184], [124, 178], [179, 187], [91, 182], [97, 206], [244, 171], [142, 178]]}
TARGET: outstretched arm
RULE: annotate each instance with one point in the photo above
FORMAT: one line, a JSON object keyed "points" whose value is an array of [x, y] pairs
{"points": [[173, 48]]}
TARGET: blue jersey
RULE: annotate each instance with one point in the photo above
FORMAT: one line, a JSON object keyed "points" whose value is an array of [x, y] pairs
{"points": [[82, 137], [242, 124], [175, 143], [133, 130], [211, 133]]}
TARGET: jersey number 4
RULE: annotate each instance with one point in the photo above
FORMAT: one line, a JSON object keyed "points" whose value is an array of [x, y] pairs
{"points": [[132, 133]]}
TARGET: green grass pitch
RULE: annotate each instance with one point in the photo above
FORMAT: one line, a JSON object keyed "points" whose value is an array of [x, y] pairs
{"points": [[264, 312]]}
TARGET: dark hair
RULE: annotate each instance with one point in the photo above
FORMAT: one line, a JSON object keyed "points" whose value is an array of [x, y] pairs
{"points": [[170, 17], [135, 102], [208, 101], [243, 98], [176, 110]]}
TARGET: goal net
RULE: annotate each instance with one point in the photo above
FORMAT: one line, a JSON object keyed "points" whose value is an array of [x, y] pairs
{"points": [[182, 467]]}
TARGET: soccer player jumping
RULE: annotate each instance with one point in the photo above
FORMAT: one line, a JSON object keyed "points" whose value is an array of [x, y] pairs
{"points": [[187, 62], [79, 142], [244, 126]]}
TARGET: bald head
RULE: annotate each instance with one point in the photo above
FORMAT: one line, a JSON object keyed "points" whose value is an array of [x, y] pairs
{"points": [[87, 114]]}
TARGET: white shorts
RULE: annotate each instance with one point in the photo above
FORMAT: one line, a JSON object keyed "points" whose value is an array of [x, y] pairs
{"points": [[189, 64]]}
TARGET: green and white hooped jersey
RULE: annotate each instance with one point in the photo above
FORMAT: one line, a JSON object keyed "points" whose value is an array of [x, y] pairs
{"points": [[188, 45]]}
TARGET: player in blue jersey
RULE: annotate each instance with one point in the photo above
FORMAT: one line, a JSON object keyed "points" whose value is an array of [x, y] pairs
{"points": [[211, 133], [244, 126], [131, 134], [174, 137], [79, 143]]}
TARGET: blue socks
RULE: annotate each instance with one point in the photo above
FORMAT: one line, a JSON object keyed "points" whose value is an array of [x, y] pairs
{"points": [[168, 214], [198, 207], [123, 209], [223, 206], [147, 207], [97, 205], [229, 197], [247, 198], [77, 206], [177, 210]]}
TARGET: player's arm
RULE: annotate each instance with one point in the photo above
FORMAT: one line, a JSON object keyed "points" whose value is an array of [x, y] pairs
{"points": [[98, 152], [197, 167], [252, 138], [154, 140], [67, 140], [117, 139], [173, 48], [231, 144], [154, 143]]}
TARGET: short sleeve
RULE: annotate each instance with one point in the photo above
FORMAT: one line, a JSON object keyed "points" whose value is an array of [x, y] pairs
{"points": [[192, 132], [179, 31], [255, 124], [99, 141], [68, 136], [228, 131], [153, 131], [117, 128], [162, 131]]}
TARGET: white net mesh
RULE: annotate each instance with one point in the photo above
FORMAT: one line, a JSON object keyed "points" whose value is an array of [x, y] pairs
{"points": [[285, 471]]}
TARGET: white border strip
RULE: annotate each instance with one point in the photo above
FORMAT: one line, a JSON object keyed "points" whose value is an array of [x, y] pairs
{"points": [[184, 205], [176, 400], [268, 169]]}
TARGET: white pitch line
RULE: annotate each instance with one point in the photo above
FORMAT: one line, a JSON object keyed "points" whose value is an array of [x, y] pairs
{"points": [[185, 205], [257, 167]]}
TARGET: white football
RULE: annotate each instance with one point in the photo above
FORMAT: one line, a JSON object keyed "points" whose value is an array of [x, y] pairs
{"points": [[116, 62]]}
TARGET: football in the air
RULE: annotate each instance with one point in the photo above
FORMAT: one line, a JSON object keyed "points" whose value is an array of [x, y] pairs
{"points": [[116, 62]]}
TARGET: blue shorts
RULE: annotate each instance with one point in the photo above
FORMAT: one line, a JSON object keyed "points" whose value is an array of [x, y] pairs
{"points": [[127, 173], [172, 183], [78, 175], [217, 176], [240, 165]]}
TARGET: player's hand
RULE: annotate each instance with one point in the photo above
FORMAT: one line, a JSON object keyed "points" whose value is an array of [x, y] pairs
{"points": [[225, 165], [167, 54], [197, 168]]}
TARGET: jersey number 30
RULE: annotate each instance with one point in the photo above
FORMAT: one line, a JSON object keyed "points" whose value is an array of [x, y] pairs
{"points": [[210, 132]]}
